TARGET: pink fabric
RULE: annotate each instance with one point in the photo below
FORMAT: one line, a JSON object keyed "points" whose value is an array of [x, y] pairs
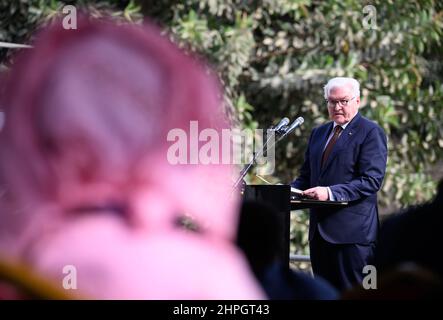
{"points": [[88, 112]]}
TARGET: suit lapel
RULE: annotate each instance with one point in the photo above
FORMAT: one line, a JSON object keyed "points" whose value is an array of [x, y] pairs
{"points": [[343, 141]]}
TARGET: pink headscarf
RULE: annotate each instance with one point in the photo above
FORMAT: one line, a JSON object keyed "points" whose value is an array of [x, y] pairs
{"points": [[85, 177]]}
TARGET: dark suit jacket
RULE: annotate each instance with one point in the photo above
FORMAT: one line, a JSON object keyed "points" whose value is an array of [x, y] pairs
{"points": [[354, 171]]}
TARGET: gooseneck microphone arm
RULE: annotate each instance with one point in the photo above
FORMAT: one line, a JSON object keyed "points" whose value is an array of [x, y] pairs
{"points": [[280, 128], [251, 163], [297, 122]]}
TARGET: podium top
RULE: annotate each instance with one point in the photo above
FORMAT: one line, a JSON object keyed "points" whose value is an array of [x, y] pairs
{"points": [[279, 193], [298, 204]]}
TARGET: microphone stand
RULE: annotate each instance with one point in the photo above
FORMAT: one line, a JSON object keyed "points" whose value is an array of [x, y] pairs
{"points": [[251, 163], [286, 131]]}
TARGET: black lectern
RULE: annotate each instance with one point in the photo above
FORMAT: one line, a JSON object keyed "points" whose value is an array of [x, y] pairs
{"points": [[279, 197]]}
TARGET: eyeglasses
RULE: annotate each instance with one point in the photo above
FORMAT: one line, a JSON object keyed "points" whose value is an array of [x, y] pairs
{"points": [[342, 102]]}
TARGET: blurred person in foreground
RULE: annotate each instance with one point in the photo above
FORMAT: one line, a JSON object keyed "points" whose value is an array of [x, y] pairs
{"points": [[86, 178], [408, 260], [413, 236], [412, 240]]}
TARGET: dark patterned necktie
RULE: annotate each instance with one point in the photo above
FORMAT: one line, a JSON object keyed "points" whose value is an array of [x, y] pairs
{"points": [[328, 149]]}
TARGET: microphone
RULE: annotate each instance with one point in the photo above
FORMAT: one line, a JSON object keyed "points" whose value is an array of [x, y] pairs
{"points": [[280, 127], [297, 122]]}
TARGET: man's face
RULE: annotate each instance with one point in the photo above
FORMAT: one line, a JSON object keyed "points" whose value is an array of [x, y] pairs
{"points": [[339, 111]]}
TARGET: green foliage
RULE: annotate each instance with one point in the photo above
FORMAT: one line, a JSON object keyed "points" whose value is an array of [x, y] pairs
{"points": [[277, 55], [19, 19]]}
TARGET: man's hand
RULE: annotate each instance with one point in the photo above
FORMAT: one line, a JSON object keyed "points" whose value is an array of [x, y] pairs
{"points": [[318, 193]]}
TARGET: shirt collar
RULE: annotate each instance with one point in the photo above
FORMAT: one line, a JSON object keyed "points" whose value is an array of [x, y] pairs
{"points": [[346, 124], [343, 125]]}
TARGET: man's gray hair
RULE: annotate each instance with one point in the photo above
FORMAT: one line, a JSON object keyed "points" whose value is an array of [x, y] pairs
{"points": [[342, 82]]}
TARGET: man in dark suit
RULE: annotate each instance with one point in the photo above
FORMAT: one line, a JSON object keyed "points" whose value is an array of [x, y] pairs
{"points": [[345, 161]]}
